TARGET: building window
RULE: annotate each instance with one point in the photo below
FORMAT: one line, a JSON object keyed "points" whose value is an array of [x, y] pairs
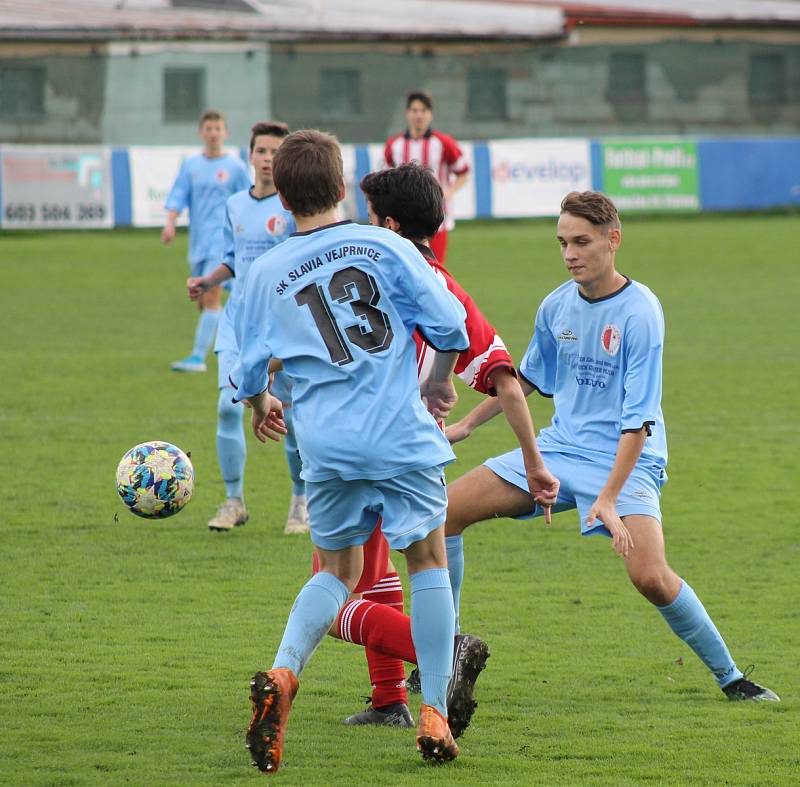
{"points": [[184, 94], [627, 85], [340, 92], [22, 91], [767, 82], [487, 95]]}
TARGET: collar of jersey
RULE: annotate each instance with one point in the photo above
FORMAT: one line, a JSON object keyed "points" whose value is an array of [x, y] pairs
{"points": [[614, 294], [319, 229], [427, 134], [260, 199]]}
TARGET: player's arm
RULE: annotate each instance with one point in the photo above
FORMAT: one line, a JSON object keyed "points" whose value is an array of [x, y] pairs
{"points": [[484, 412], [198, 285], [438, 391], [457, 184], [168, 233], [629, 449], [542, 484], [177, 200]]}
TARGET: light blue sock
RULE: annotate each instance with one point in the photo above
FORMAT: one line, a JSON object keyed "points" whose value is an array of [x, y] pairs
{"points": [[455, 567], [293, 455], [231, 447], [204, 334], [315, 608], [432, 620], [688, 618]]}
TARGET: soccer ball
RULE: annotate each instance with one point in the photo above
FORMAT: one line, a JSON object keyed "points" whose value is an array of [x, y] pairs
{"points": [[155, 480]]}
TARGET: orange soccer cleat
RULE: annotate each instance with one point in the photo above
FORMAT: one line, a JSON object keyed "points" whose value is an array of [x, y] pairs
{"points": [[434, 739], [272, 694]]}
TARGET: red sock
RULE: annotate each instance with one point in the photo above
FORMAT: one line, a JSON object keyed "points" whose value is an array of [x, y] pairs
{"points": [[386, 634]]}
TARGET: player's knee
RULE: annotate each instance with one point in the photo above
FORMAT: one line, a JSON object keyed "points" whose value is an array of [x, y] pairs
{"points": [[229, 415], [653, 583]]}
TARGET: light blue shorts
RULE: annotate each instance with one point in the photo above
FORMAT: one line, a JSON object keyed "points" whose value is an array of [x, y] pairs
{"points": [[344, 513], [581, 481], [226, 360]]}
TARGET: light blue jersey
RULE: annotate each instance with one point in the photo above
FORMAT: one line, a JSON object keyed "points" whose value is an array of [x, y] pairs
{"points": [[203, 185], [338, 305], [601, 362], [252, 227]]}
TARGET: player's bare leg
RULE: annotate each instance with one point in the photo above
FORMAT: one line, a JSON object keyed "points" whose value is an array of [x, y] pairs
{"points": [[682, 610], [481, 494]]}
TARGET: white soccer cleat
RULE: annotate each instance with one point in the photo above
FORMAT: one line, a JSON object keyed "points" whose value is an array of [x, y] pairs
{"points": [[297, 519], [231, 514]]}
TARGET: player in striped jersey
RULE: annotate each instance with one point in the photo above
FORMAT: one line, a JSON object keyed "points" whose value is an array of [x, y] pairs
{"points": [[438, 152], [408, 200]]}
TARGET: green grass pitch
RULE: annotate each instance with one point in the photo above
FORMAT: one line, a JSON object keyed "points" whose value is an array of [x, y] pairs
{"points": [[126, 647]]}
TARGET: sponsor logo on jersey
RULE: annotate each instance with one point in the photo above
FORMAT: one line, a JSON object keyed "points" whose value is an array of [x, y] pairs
{"points": [[567, 336], [222, 176], [610, 339], [239, 228], [643, 494], [275, 224]]}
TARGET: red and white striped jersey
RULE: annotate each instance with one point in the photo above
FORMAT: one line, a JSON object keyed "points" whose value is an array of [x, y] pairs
{"points": [[486, 352], [438, 152]]}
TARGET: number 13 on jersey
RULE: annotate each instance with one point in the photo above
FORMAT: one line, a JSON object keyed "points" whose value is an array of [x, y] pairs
{"points": [[372, 332]]}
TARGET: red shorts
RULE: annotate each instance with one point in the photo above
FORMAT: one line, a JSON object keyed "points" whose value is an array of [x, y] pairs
{"points": [[376, 561]]}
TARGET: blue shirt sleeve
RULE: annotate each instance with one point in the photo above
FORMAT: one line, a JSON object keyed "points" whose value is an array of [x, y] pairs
{"points": [[180, 193], [431, 307], [538, 365], [250, 375], [642, 348], [229, 241]]}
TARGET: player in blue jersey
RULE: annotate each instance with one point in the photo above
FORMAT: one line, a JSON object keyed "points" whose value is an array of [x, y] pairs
{"points": [[203, 185], [337, 303], [255, 221], [596, 349]]}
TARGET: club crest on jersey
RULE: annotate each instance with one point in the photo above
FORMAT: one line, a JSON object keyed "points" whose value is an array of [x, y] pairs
{"points": [[275, 225], [222, 176], [610, 339]]}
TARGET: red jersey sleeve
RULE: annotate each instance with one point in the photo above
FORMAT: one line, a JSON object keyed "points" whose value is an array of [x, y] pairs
{"points": [[387, 152], [487, 351], [452, 155]]}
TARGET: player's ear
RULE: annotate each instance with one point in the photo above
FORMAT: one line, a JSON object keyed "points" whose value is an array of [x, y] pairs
{"points": [[391, 224], [341, 190], [614, 238]]}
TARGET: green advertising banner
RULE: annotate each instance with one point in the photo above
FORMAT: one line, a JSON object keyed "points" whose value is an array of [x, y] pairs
{"points": [[651, 176]]}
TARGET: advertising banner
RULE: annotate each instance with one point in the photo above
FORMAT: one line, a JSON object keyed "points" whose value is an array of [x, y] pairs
{"points": [[45, 187], [153, 171], [529, 177], [651, 175]]}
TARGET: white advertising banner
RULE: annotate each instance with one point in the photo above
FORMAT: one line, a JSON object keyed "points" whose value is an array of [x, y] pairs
{"points": [[51, 187], [153, 171], [531, 176]]}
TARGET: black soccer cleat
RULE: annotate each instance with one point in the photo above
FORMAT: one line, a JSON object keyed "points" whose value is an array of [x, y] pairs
{"points": [[469, 659], [396, 715], [413, 682], [744, 689]]}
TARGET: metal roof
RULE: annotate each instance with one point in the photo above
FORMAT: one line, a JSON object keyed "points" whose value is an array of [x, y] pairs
{"points": [[318, 19], [741, 12]]}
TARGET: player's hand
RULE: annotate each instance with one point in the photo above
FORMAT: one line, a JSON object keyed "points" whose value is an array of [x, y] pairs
{"points": [[268, 420], [196, 286], [457, 432], [168, 234], [606, 511], [543, 485], [439, 397]]}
